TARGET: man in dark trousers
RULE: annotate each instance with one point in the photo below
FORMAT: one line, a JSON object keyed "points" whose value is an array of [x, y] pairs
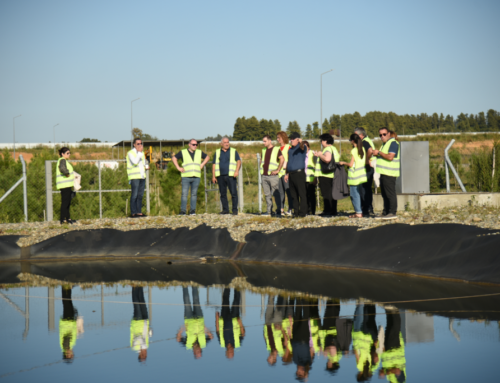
{"points": [[303, 353], [296, 175], [228, 324]]}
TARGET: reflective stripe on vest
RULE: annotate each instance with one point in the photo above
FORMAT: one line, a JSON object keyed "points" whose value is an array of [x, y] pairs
{"points": [[61, 180], [273, 165], [134, 171], [236, 333], [277, 337], [367, 139], [285, 155], [389, 168], [139, 329], [67, 328], [311, 167], [357, 174], [195, 332], [232, 162], [335, 156], [192, 168]]}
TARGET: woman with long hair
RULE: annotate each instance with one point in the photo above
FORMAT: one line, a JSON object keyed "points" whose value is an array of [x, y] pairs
{"points": [[284, 186], [356, 176], [325, 179], [65, 179]]}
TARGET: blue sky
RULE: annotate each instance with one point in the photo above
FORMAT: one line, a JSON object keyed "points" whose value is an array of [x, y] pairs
{"points": [[198, 65]]}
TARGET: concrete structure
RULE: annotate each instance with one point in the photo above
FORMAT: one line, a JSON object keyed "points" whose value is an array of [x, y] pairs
{"points": [[423, 201]]}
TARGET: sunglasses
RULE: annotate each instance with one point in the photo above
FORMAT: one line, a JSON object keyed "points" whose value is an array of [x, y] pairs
{"points": [[383, 134], [193, 144], [138, 143]]}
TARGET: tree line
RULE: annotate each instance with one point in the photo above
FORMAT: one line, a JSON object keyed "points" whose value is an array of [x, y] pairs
{"points": [[252, 129]]}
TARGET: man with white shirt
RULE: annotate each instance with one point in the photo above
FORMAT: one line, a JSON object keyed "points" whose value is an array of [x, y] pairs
{"points": [[136, 171]]}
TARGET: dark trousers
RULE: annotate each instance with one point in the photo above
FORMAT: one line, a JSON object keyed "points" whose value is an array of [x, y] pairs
{"points": [[392, 330], [388, 186], [224, 183], [195, 311], [311, 198], [228, 313], [330, 318], [325, 185], [367, 192], [300, 328], [68, 309], [65, 203], [140, 308], [138, 187], [299, 193]]}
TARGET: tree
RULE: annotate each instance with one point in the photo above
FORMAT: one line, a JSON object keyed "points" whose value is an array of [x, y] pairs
{"points": [[326, 126], [493, 120], [90, 140], [309, 132], [316, 131], [138, 133]]}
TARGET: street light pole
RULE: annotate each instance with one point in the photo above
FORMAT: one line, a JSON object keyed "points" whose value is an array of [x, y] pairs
{"points": [[54, 129], [14, 124], [132, 122], [321, 99]]}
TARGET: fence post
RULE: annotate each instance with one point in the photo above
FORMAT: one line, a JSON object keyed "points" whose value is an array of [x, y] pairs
{"points": [[147, 192], [241, 203], [259, 183], [48, 191], [25, 190], [100, 193], [205, 175]]}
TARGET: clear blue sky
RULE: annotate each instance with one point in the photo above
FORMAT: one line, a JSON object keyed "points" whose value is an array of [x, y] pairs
{"points": [[198, 65]]}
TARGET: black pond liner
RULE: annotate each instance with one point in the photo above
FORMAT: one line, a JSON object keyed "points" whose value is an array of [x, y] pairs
{"points": [[9, 248]]}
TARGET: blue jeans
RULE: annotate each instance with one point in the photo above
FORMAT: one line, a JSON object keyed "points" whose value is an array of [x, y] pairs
{"points": [[187, 182], [226, 182], [136, 197], [356, 198]]}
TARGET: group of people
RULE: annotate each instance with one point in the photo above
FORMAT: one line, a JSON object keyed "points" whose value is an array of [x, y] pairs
{"points": [[290, 171], [293, 331], [295, 170]]}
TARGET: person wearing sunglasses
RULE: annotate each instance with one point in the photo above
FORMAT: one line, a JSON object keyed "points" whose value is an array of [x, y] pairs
{"points": [[193, 161], [65, 180], [136, 172], [388, 162]]}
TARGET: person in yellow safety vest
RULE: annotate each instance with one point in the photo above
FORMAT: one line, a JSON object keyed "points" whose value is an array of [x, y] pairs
{"points": [[328, 336], [311, 179], [225, 170], [303, 352], [287, 325], [65, 179], [193, 161], [140, 331], [229, 327], [356, 175], [284, 184], [197, 334], [388, 164], [364, 341], [329, 153], [366, 190], [393, 355], [136, 172], [271, 163], [67, 325], [273, 329]]}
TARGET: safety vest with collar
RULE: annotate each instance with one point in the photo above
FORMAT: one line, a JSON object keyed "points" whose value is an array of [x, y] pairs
{"points": [[357, 174], [61, 180], [389, 168], [314, 328], [195, 331], [236, 333], [139, 329], [285, 156], [362, 343], [67, 328], [395, 358], [232, 162], [273, 165], [192, 168], [134, 171], [277, 337], [335, 156], [367, 139], [287, 329], [311, 167]]}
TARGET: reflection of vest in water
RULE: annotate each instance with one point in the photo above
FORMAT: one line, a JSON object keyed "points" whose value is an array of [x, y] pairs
{"points": [[287, 329], [362, 343], [139, 331], [395, 358], [277, 337], [61, 180], [236, 332], [314, 328], [322, 338], [67, 328], [195, 332], [335, 156], [389, 168]]}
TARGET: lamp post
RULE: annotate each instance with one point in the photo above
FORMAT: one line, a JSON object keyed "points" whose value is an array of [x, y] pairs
{"points": [[54, 129], [14, 124], [132, 122], [321, 99]]}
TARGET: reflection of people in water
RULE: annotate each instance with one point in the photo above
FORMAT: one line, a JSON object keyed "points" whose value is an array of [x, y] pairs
{"points": [[393, 356], [139, 326], [273, 329], [286, 325], [197, 334], [364, 341], [328, 336], [303, 351], [229, 327], [67, 325]]}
